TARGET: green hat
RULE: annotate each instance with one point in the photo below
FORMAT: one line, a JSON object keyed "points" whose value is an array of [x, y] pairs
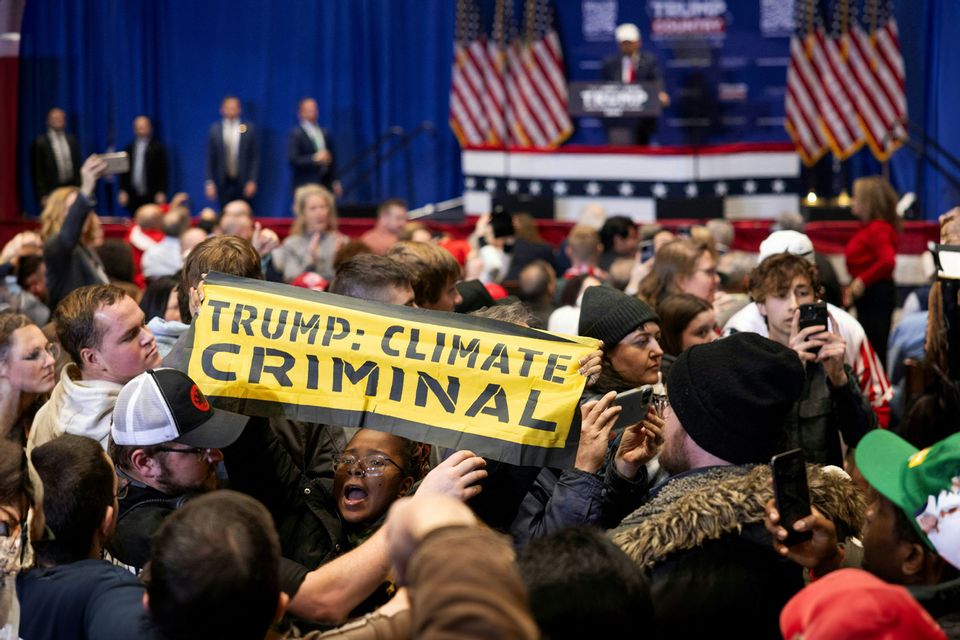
{"points": [[925, 484]]}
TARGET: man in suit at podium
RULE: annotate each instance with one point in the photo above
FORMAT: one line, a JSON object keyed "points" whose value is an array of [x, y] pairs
{"points": [[54, 157], [310, 151], [146, 182], [233, 156], [633, 66]]}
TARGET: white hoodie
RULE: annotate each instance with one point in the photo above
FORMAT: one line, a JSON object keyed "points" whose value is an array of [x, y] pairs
{"points": [[860, 354], [80, 407]]}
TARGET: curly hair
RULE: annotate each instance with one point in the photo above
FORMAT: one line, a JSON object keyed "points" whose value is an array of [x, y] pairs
{"points": [[773, 276]]}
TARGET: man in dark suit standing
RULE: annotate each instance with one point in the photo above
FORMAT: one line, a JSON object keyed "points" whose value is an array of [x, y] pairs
{"points": [[146, 182], [233, 156], [310, 151], [54, 157], [633, 66]]}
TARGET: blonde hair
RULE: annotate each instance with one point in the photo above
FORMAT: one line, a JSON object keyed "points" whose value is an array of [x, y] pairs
{"points": [[300, 197], [55, 211], [876, 196]]}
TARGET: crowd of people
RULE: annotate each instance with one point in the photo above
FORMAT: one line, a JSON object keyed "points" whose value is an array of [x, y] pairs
{"points": [[132, 506]]}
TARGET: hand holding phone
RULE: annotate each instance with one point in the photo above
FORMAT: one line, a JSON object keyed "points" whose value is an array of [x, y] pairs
{"points": [[791, 493], [814, 314], [634, 405]]}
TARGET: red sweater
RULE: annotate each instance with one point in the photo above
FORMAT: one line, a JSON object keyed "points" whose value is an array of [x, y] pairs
{"points": [[872, 252]]}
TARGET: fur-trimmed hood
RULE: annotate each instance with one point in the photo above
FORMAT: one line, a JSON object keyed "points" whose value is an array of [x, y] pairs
{"points": [[706, 504]]}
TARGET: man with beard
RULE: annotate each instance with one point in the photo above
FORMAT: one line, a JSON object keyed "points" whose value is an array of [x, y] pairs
{"points": [[700, 536], [165, 443]]}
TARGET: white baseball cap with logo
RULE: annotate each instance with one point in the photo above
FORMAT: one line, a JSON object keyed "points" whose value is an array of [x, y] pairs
{"points": [[786, 241], [627, 32], [165, 405]]}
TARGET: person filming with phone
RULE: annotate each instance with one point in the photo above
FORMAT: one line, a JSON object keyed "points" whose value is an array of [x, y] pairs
{"points": [[785, 288], [71, 233], [699, 536]]}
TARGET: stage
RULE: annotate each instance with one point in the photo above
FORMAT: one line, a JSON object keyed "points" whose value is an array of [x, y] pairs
{"points": [[745, 181]]}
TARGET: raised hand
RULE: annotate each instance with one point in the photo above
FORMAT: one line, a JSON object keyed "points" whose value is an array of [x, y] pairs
{"points": [[455, 477]]}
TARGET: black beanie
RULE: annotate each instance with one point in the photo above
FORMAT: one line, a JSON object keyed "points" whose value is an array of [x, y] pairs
{"points": [[733, 395], [475, 296], [609, 314]]}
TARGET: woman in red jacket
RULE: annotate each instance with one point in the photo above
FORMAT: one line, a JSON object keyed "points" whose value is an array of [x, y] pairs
{"points": [[871, 257]]}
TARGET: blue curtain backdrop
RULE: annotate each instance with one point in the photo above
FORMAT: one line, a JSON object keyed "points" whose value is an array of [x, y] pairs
{"points": [[371, 64]]}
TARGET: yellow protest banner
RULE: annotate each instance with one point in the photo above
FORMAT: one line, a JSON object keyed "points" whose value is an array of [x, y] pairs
{"points": [[506, 392]]}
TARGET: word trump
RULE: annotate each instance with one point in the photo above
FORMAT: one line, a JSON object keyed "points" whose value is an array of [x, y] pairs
{"points": [[442, 378]]}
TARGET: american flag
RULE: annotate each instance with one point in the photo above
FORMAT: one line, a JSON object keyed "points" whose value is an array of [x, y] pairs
{"points": [[804, 90], [839, 111], [538, 69], [845, 86], [469, 95], [509, 90], [877, 67]]}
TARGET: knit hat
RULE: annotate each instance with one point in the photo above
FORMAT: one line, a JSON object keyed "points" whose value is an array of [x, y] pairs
{"points": [[609, 314], [851, 603], [925, 484], [733, 395]]}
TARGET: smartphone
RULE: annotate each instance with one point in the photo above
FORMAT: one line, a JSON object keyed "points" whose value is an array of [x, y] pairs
{"points": [[634, 403], [812, 315], [646, 250], [118, 162], [791, 492]]}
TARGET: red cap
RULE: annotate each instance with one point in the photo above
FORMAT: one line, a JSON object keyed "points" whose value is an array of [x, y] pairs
{"points": [[496, 291], [851, 603], [311, 280]]}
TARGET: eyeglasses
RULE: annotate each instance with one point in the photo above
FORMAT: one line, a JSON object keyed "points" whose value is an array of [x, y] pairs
{"points": [[200, 452], [372, 466], [52, 348]]}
